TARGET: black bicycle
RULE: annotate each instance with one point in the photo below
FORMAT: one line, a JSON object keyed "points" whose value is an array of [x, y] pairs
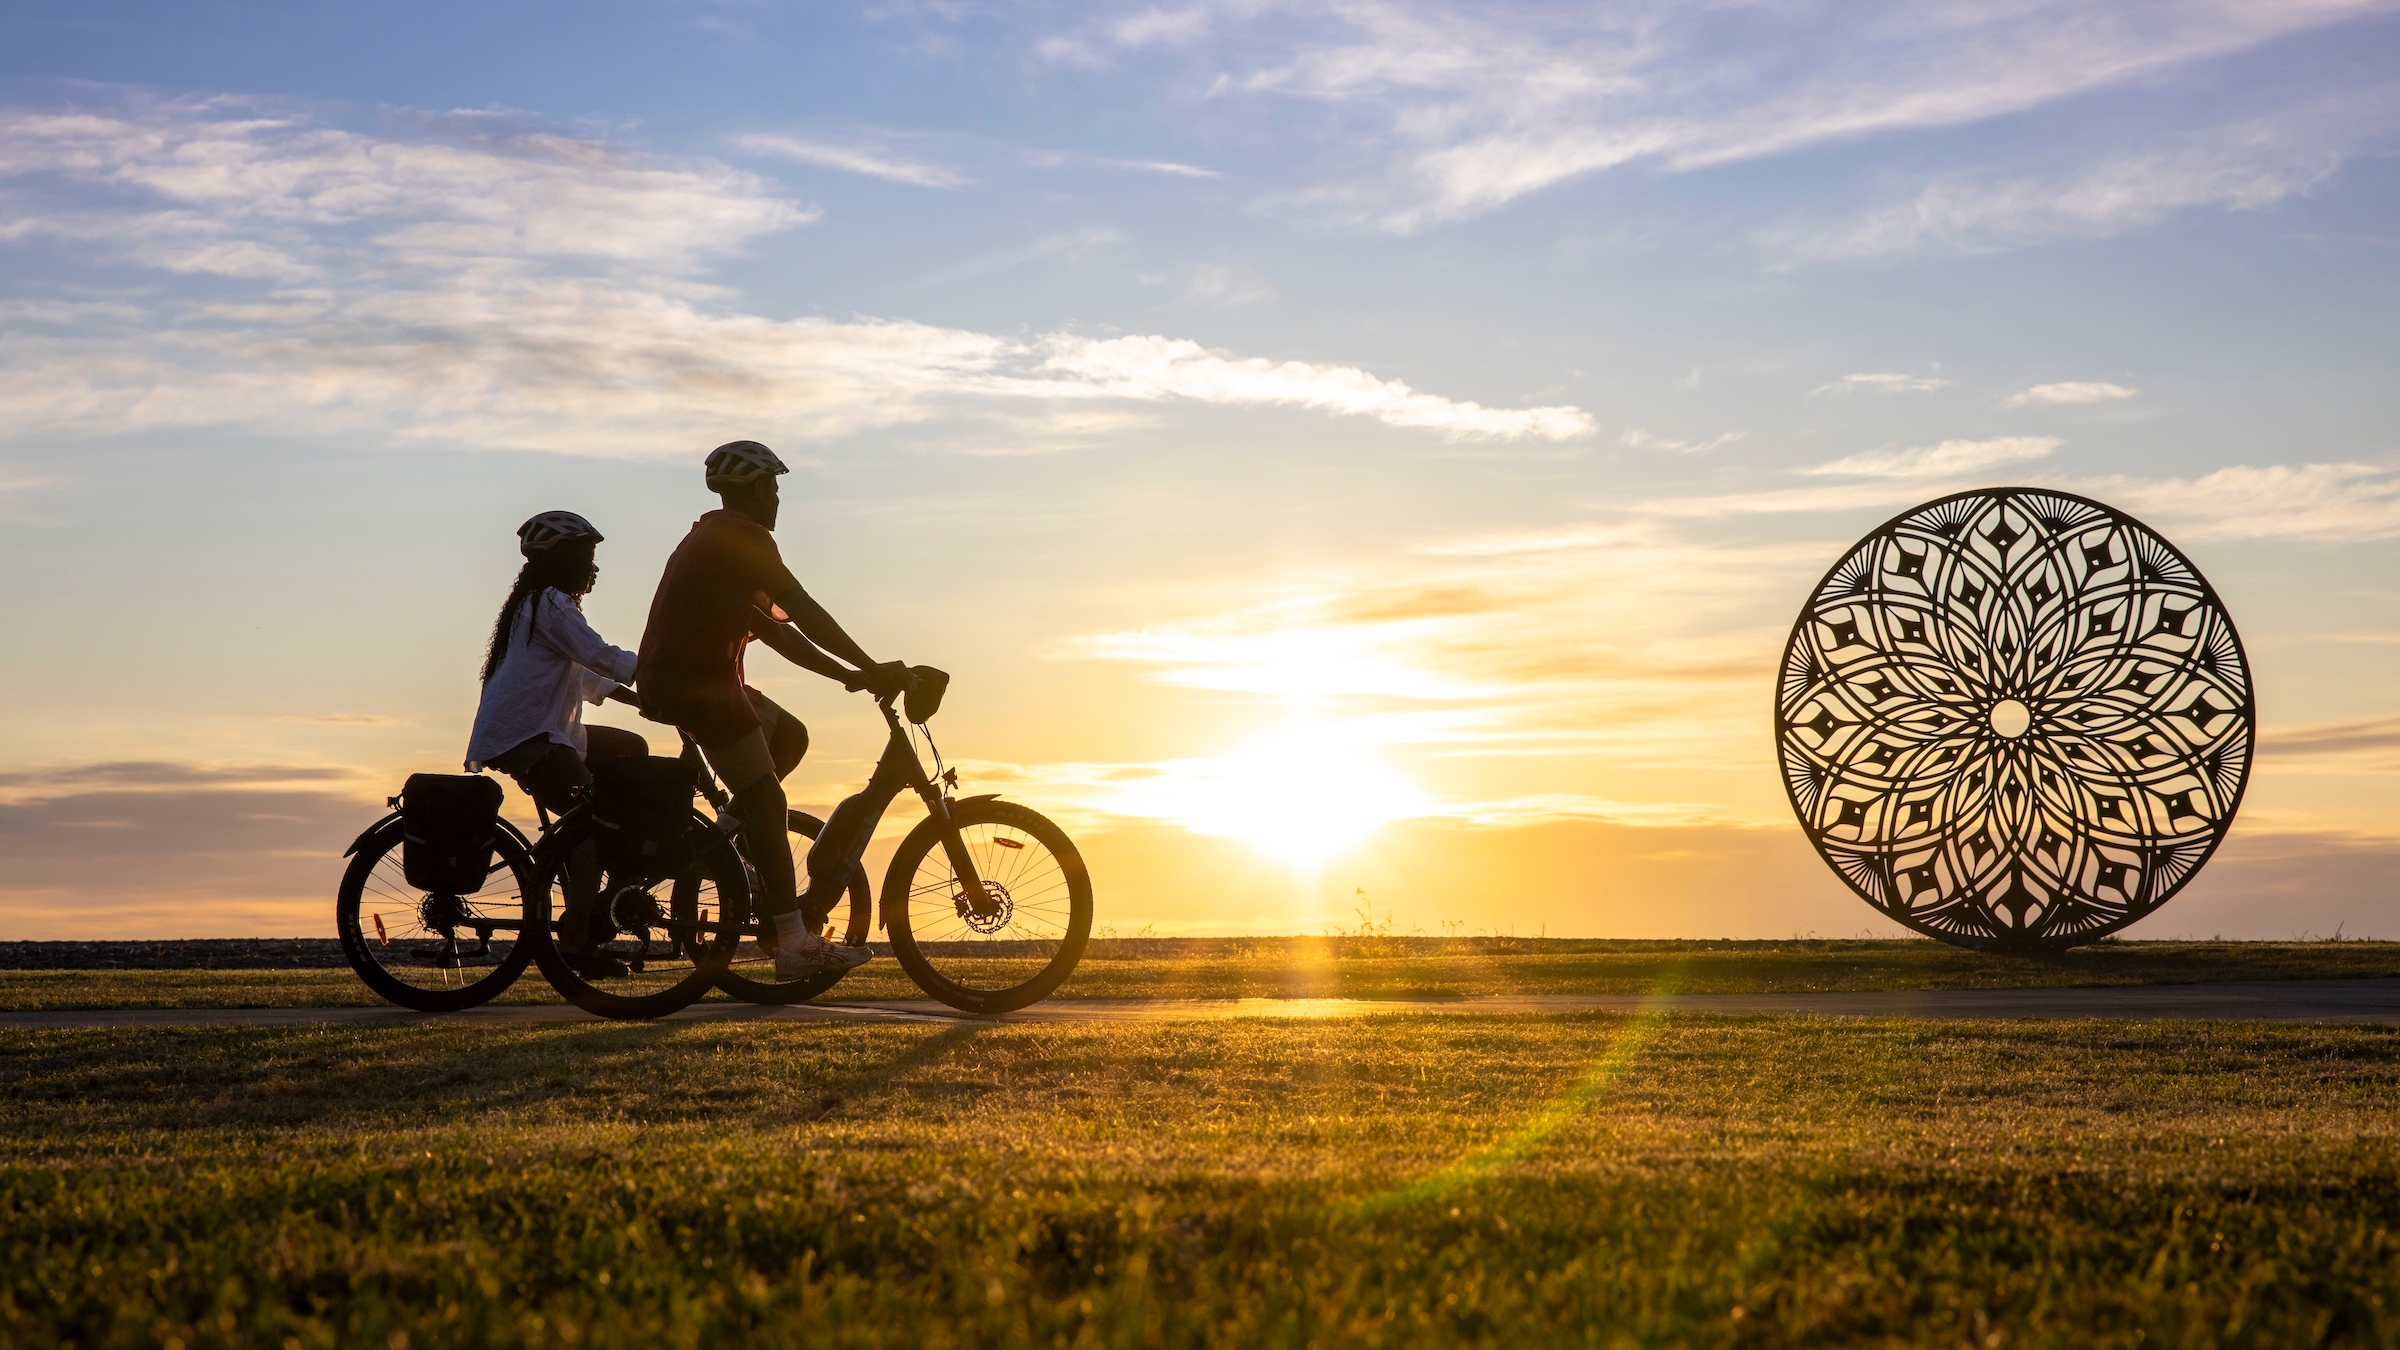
{"points": [[986, 904], [428, 950], [442, 952]]}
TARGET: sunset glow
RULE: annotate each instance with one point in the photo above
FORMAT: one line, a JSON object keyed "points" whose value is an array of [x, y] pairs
{"points": [[1345, 442], [1302, 794]]}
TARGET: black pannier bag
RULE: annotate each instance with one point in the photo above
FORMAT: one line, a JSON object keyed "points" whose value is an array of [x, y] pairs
{"points": [[449, 823], [642, 806]]}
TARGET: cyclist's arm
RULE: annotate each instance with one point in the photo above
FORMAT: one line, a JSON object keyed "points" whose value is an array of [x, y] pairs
{"points": [[811, 619], [798, 650], [623, 695], [561, 627]]}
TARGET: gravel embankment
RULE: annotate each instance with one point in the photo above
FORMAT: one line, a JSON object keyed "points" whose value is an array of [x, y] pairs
{"points": [[185, 954]]}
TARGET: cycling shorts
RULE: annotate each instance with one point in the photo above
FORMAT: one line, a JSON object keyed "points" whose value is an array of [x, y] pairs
{"points": [[741, 762]]}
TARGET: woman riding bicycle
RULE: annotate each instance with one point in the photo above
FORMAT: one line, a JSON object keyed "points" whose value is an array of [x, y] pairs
{"points": [[544, 663]]}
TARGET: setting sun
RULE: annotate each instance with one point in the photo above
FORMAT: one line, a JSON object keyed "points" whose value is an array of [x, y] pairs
{"points": [[1302, 794]]}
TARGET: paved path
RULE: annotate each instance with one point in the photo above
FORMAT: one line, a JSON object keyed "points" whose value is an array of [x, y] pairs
{"points": [[2372, 1001]]}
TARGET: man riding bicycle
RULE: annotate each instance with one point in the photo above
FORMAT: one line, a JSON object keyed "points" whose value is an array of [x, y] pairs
{"points": [[724, 584]]}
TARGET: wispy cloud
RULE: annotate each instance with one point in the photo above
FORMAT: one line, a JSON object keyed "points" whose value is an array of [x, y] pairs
{"points": [[175, 850], [163, 776], [1639, 438], [2069, 393], [1062, 159], [526, 291], [1946, 460], [1882, 382], [2369, 745], [2326, 503], [2322, 503], [1894, 478], [1165, 166], [1228, 286], [1061, 246], [1159, 367], [852, 159], [1464, 108], [2247, 165]]}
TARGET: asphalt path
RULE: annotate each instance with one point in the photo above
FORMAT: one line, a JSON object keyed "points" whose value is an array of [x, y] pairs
{"points": [[2356, 1001]]}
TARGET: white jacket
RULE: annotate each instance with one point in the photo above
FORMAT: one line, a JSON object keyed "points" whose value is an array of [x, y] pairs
{"points": [[554, 664]]}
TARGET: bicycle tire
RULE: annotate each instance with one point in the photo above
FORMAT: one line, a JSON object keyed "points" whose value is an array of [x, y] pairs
{"points": [[856, 932], [970, 962], [657, 982], [375, 887]]}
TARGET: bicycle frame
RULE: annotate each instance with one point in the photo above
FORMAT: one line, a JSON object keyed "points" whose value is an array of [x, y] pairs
{"points": [[843, 841]]}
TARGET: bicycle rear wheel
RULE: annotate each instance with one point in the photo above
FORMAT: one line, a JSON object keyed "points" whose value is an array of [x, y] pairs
{"points": [[1018, 946], [658, 943], [750, 976], [433, 953]]}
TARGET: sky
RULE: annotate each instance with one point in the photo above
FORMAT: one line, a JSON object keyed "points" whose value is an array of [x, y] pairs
{"points": [[1359, 461]]}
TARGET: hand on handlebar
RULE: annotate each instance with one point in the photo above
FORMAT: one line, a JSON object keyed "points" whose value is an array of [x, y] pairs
{"points": [[886, 679]]}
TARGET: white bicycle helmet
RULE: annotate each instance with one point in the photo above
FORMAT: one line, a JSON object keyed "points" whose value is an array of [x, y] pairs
{"points": [[552, 528], [741, 463]]}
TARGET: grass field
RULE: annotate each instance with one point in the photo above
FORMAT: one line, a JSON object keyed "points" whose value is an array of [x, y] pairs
{"points": [[1382, 968], [1421, 1181]]}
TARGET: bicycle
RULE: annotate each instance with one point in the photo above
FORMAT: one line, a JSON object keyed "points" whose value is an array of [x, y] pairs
{"points": [[987, 904], [435, 952], [429, 951]]}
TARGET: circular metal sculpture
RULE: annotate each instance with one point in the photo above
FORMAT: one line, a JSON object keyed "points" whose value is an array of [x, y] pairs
{"points": [[2014, 718]]}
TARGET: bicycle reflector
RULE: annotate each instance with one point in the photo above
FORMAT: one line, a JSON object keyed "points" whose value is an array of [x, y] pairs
{"points": [[925, 689]]}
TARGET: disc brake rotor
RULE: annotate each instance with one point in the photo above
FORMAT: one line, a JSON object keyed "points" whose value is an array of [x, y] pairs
{"points": [[997, 910]]}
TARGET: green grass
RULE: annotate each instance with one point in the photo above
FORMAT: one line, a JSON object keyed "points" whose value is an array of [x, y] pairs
{"points": [[1576, 1180], [1384, 968]]}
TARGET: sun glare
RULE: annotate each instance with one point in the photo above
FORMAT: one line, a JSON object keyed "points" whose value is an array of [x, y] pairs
{"points": [[1302, 794]]}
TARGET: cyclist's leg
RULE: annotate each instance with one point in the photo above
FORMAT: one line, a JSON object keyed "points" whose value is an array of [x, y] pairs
{"points": [[558, 781], [787, 736], [583, 866], [747, 769]]}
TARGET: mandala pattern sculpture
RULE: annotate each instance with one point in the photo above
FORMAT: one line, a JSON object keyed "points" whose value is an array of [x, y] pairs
{"points": [[2014, 719]]}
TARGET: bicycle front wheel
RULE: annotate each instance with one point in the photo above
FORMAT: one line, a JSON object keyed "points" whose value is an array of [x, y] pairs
{"points": [[751, 975], [1024, 938], [433, 953], [652, 945]]}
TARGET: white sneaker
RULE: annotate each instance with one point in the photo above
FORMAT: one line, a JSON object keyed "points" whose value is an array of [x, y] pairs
{"points": [[806, 954]]}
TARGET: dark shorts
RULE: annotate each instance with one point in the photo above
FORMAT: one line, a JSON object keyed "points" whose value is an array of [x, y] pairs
{"points": [[556, 776], [517, 758], [711, 718]]}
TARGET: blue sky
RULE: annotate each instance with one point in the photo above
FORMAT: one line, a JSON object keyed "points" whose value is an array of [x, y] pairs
{"points": [[1464, 395]]}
